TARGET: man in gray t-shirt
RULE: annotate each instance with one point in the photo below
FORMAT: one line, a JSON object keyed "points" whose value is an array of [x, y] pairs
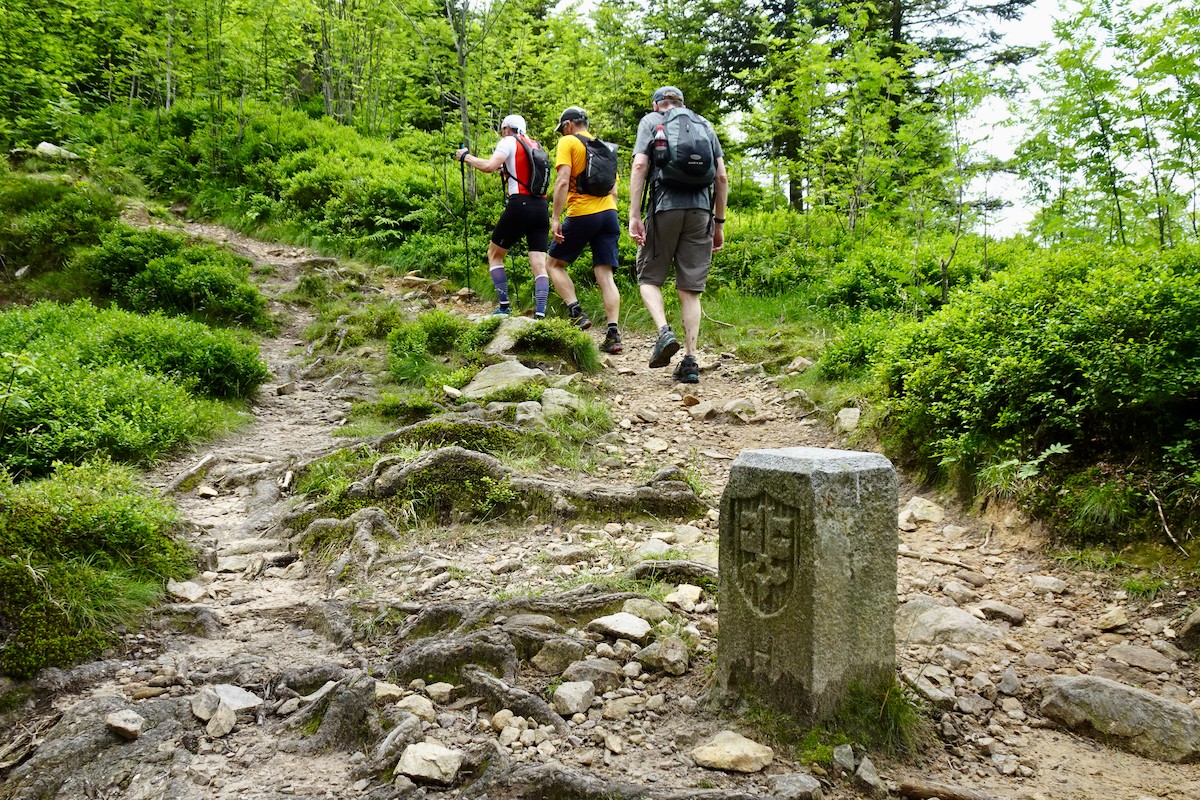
{"points": [[683, 225]]}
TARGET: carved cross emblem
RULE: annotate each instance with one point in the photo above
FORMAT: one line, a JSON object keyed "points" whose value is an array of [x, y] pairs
{"points": [[766, 541]]}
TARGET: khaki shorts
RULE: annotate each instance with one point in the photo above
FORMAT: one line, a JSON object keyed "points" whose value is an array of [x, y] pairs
{"points": [[680, 235]]}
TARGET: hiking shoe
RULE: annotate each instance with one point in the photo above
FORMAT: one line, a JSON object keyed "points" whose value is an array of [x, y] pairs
{"points": [[612, 342], [687, 371], [582, 322], [502, 311], [664, 350]]}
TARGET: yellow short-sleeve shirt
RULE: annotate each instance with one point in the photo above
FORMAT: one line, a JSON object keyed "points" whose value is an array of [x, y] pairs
{"points": [[571, 152]]}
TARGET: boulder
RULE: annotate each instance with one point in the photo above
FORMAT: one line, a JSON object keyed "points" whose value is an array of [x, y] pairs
{"points": [[1124, 716], [924, 620]]}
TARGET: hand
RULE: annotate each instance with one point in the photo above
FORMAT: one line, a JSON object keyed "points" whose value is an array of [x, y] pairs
{"points": [[556, 231], [718, 236], [637, 230], [460, 152]]}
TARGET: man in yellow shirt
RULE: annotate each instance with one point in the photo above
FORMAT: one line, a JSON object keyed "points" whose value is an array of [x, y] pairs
{"points": [[591, 220]]}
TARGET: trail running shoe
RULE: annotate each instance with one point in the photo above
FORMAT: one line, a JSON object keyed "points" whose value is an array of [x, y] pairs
{"points": [[664, 350], [502, 311], [612, 342], [687, 371], [582, 322]]}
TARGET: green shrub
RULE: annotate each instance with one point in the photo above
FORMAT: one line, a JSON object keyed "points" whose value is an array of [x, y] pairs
{"points": [[83, 552], [558, 338], [43, 221], [111, 382], [412, 345], [1093, 350], [155, 271]]}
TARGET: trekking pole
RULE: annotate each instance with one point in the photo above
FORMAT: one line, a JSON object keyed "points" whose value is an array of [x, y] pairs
{"points": [[462, 167]]}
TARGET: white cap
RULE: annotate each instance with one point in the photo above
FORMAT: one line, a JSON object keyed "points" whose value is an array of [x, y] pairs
{"points": [[514, 121]]}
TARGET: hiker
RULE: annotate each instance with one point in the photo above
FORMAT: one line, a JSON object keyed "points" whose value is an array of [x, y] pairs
{"points": [[525, 169], [586, 186], [679, 181]]}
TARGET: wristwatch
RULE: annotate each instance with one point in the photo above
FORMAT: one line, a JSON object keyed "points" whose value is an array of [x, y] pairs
{"points": [[718, 219]]}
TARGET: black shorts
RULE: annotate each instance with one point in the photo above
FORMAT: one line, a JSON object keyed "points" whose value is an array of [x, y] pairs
{"points": [[601, 230], [526, 217]]}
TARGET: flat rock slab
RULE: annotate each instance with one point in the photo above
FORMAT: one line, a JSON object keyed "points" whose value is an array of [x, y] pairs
{"points": [[621, 625], [1124, 716], [924, 620], [733, 752], [505, 375]]}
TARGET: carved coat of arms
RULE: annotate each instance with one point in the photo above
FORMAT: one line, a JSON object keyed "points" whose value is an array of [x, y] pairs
{"points": [[764, 551]]}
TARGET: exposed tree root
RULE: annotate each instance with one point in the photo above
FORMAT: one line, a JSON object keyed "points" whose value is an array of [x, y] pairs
{"points": [[500, 694], [674, 570], [555, 782], [361, 528], [662, 496], [446, 658]]}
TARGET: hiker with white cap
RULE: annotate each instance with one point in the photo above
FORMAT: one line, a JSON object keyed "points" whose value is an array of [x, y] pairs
{"points": [[525, 168], [679, 182]]}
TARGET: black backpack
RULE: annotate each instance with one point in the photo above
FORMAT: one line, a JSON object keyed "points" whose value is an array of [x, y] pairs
{"points": [[600, 172], [539, 167], [691, 162]]}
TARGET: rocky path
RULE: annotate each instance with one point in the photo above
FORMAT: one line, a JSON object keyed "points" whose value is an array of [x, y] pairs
{"points": [[228, 683]]}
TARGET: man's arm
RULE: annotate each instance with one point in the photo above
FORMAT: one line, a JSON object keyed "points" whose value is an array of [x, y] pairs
{"points": [[637, 183], [561, 185], [721, 188], [490, 165]]}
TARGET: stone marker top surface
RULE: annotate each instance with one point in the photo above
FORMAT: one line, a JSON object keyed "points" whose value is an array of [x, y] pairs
{"points": [[809, 459]]}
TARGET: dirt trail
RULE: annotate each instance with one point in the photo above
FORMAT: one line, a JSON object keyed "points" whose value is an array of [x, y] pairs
{"points": [[268, 612]]}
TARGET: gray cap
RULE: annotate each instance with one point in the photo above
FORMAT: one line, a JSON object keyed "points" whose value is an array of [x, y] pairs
{"points": [[571, 114], [663, 92]]}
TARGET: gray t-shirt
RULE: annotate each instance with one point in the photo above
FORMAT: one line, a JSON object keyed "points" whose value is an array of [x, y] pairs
{"points": [[665, 199]]}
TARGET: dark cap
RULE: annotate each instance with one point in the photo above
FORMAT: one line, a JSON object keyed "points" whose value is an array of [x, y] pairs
{"points": [[663, 92], [571, 114]]}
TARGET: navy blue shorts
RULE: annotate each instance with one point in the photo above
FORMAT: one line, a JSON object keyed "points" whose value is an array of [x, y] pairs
{"points": [[602, 231], [524, 217]]}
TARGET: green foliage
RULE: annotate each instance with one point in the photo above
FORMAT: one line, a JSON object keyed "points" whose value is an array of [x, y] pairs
{"points": [[1086, 349], [84, 551], [558, 338], [42, 220], [891, 721], [111, 382], [152, 270], [413, 345]]}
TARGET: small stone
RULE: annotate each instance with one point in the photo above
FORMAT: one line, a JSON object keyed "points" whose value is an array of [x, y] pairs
{"points": [[126, 723], [573, 697], [418, 706], [649, 610], [502, 719], [222, 722], [867, 779], [440, 693], [621, 625], [685, 596], [187, 591], [1112, 619], [387, 692], [843, 758], [207, 492], [796, 786], [995, 610], [204, 703], [1047, 584], [431, 762], [732, 752]]}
